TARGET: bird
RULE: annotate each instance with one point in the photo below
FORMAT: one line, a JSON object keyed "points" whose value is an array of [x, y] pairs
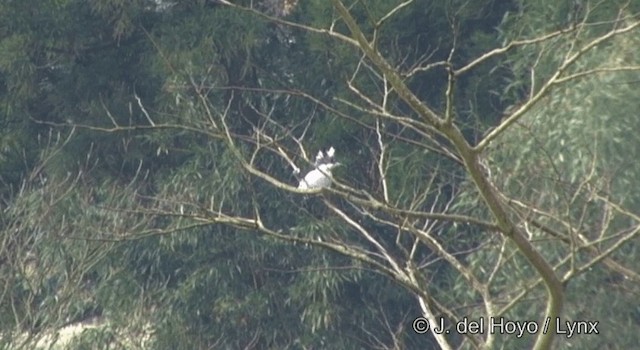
{"points": [[320, 176]]}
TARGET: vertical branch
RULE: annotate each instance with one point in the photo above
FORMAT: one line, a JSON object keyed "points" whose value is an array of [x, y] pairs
{"points": [[382, 169], [427, 311]]}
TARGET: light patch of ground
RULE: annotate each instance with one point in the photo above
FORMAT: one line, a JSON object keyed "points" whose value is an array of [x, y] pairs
{"points": [[61, 339]]}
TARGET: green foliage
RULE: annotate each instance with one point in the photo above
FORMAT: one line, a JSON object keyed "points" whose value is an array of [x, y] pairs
{"points": [[86, 63], [113, 219], [564, 156]]}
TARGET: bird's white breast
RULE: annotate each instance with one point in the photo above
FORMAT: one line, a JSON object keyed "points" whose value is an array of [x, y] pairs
{"points": [[315, 179]]}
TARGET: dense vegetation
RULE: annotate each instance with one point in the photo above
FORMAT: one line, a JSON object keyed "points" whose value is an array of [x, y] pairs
{"points": [[489, 153]]}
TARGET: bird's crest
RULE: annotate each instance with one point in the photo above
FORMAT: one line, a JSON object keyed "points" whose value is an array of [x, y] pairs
{"points": [[325, 157]]}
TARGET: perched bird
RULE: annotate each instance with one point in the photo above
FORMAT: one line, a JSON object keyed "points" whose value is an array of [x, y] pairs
{"points": [[320, 176]]}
